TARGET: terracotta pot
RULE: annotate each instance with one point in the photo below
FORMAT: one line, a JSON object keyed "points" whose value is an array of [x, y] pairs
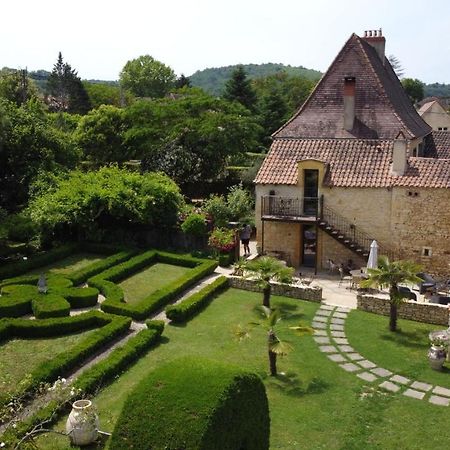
{"points": [[82, 424]]}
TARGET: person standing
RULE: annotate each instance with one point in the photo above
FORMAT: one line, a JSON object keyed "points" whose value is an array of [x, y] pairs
{"points": [[245, 238]]}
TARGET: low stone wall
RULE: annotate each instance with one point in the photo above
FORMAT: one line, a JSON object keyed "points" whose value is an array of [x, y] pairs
{"points": [[311, 293], [411, 310]]}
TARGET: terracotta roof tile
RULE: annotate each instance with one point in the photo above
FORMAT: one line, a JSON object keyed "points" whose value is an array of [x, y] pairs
{"points": [[350, 163], [437, 145]]}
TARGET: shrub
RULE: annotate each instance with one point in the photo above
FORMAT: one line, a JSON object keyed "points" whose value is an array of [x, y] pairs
{"points": [[222, 239], [195, 404], [81, 298], [195, 225], [19, 228], [181, 312], [157, 325], [240, 203], [49, 305], [118, 361], [216, 207]]}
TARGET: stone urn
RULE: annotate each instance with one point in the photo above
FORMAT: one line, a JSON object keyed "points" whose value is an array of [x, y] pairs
{"points": [[436, 356], [82, 424]]}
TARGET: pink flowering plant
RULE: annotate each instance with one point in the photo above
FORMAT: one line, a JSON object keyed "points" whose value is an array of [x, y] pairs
{"points": [[222, 240]]}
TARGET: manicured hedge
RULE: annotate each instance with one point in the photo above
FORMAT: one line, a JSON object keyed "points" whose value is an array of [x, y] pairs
{"points": [[81, 275], [157, 325], [49, 305], [195, 404], [90, 381], [184, 310], [21, 299], [17, 268], [61, 364], [115, 303], [118, 361]]}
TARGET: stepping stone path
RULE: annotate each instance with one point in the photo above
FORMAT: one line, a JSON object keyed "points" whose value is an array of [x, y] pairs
{"points": [[329, 325]]}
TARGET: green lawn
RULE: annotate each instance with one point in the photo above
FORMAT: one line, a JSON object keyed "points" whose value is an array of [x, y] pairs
{"points": [[403, 352], [142, 284], [21, 356], [69, 264], [315, 405]]}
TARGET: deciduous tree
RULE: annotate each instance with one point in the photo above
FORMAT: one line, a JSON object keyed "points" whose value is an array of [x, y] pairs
{"points": [[147, 77]]}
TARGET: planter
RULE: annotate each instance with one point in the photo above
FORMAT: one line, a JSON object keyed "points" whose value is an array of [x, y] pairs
{"points": [[436, 356], [224, 259], [82, 424]]}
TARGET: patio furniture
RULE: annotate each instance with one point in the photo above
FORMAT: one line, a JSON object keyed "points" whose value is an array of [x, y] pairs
{"points": [[428, 283], [344, 278], [357, 276], [407, 293], [440, 299]]}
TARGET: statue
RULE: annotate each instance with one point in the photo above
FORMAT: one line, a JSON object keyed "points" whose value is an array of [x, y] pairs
{"points": [[42, 284]]}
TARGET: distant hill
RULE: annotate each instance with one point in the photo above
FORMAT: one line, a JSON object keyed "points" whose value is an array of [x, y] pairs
{"points": [[213, 80], [437, 90]]}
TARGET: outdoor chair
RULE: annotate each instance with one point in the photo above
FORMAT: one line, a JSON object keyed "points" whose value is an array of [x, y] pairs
{"points": [[428, 283], [407, 293], [344, 278]]}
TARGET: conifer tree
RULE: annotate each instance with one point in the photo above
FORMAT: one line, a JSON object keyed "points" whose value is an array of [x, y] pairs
{"points": [[65, 91], [238, 88]]}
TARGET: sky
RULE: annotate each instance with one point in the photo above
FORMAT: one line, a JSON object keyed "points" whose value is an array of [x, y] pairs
{"points": [[97, 37]]}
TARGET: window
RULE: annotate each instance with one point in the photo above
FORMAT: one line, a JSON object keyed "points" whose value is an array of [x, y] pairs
{"points": [[426, 252], [442, 128]]}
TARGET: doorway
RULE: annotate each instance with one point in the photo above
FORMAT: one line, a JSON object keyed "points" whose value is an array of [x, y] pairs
{"points": [[310, 192], [309, 245]]}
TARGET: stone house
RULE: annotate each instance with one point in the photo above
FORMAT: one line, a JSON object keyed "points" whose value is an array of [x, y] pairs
{"points": [[435, 114], [356, 163]]}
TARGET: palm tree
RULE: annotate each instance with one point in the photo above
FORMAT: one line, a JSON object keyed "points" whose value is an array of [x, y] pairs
{"points": [[267, 269], [275, 346], [389, 275]]}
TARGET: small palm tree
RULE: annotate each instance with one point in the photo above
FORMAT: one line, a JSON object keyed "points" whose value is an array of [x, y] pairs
{"points": [[265, 270], [275, 346], [389, 275]]}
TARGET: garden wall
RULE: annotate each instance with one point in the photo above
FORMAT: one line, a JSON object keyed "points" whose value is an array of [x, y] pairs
{"points": [[411, 310], [311, 293]]}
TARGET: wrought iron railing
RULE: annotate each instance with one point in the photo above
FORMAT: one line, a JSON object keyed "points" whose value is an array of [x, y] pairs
{"points": [[342, 226], [290, 206]]}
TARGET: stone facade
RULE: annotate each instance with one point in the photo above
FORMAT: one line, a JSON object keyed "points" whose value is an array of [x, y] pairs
{"points": [[410, 310], [311, 293], [413, 223], [435, 115]]}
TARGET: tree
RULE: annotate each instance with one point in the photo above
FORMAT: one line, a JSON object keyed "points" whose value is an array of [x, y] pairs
{"points": [[239, 89], [65, 91], [147, 77], [29, 144], [273, 111], [97, 204], [107, 94], [275, 346], [182, 82], [100, 134], [397, 66], [389, 275], [267, 269], [16, 86], [414, 88]]}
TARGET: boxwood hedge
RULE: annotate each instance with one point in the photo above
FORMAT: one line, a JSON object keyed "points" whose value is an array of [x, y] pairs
{"points": [[184, 310], [109, 328], [115, 303], [195, 404]]}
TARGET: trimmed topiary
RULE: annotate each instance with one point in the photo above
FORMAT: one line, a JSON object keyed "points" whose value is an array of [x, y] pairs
{"points": [[157, 325], [186, 309], [195, 404]]}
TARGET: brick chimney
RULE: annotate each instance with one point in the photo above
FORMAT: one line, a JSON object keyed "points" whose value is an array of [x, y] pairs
{"points": [[400, 155], [376, 39], [349, 102]]}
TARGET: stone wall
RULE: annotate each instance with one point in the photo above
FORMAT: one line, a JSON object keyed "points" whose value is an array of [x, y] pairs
{"points": [[311, 293], [410, 310]]}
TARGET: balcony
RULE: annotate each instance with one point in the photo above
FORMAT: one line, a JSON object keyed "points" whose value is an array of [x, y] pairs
{"points": [[290, 209]]}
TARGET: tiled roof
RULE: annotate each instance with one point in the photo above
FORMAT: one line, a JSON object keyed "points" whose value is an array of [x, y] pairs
{"points": [[350, 163], [382, 107], [437, 145]]}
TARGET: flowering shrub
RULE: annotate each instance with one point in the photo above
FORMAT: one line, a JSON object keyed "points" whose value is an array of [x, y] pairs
{"points": [[222, 240]]}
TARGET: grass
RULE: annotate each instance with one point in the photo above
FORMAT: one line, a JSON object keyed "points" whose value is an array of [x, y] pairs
{"points": [[314, 405], [403, 352], [69, 264], [20, 356], [141, 285]]}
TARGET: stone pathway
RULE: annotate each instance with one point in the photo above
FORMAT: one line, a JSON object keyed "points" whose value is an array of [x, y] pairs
{"points": [[330, 335]]}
